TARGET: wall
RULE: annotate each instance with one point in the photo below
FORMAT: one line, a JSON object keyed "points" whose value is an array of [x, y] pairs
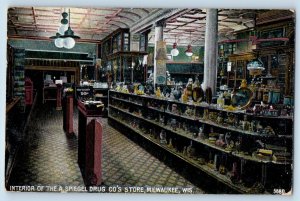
{"points": [[198, 51]]}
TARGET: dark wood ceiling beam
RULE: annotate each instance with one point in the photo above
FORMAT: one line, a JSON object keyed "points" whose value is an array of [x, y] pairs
{"points": [[186, 24], [34, 18]]}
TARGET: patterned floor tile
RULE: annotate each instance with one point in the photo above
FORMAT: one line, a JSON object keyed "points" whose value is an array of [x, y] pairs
{"points": [[50, 157]]}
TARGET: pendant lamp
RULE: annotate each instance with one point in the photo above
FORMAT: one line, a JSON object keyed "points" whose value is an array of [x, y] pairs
{"points": [[189, 50], [69, 37], [65, 36], [174, 51]]}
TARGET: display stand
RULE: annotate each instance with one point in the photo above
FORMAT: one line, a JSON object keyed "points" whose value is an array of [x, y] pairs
{"points": [[89, 144], [28, 92], [68, 103], [58, 97]]}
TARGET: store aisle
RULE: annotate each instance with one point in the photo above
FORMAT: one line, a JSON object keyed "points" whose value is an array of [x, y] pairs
{"points": [[50, 158]]}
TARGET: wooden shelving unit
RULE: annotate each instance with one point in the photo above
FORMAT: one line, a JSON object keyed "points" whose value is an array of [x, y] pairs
{"points": [[141, 113]]}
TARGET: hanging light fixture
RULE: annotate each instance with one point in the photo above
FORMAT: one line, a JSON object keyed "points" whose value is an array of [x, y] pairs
{"points": [[174, 51], [63, 24], [255, 66], [189, 50], [58, 41], [65, 36], [69, 37]]}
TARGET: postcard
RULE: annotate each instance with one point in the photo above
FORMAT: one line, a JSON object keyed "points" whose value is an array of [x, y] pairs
{"points": [[150, 100]]}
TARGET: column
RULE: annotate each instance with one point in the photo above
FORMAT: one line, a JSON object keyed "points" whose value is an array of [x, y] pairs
{"points": [[159, 26], [211, 50]]}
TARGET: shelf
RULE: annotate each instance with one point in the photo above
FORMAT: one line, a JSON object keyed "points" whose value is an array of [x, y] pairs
{"points": [[191, 73], [184, 134], [102, 97], [211, 123], [182, 62], [205, 105], [127, 101], [215, 174]]}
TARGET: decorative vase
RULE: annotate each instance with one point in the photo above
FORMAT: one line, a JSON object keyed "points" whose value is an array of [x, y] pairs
{"points": [[177, 93]]}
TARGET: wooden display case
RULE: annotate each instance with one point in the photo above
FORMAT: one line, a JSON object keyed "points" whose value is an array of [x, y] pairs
{"points": [[238, 70], [243, 171], [90, 143], [117, 59]]}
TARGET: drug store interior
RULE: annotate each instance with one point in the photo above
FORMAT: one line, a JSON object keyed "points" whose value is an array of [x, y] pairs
{"points": [[199, 98]]}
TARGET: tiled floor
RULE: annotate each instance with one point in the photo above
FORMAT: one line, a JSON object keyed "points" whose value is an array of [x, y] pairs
{"points": [[50, 158]]}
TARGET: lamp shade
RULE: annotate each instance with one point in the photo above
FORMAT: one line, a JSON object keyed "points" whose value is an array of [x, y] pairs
{"points": [[255, 67], [59, 42], [174, 51], [189, 51], [69, 43]]}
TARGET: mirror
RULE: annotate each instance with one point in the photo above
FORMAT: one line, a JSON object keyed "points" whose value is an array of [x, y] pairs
{"points": [[241, 97]]}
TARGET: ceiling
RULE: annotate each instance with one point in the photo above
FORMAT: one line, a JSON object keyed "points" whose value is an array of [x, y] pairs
{"points": [[93, 24]]}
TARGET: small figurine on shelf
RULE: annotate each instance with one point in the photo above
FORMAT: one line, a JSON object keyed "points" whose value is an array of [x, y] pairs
{"points": [[253, 126], [158, 92], [238, 144], [205, 114], [222, 169], [220, 101], [184, 152], [190, 150], [245, 123], [173, 124], [221, 141], [189, 111], [151, 133], [216, 161], [201, 133], [243, 84], [163, 137], [135, 90], [184, 126], [189, 87], [185, 97], [236, 121], [174, 108], [177, 92], [229, 143], [234, 176], [170, 145], [220, 118], [172, 97], [259, 127], [161, 120]]}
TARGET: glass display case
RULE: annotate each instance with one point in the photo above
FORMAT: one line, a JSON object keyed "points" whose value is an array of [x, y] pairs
{"points": [[238, 68], [117, 59]]}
